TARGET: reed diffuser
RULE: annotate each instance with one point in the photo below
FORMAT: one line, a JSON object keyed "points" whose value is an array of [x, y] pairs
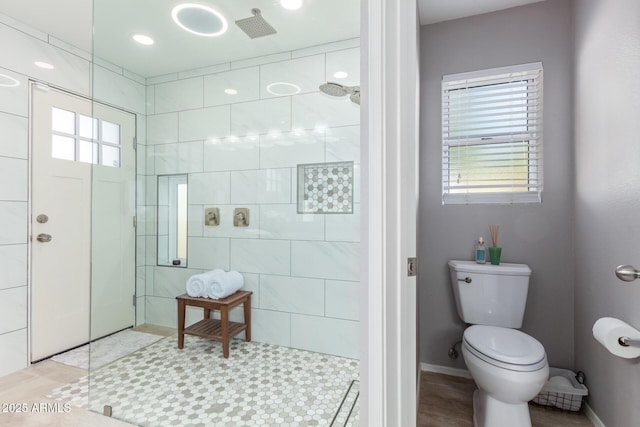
{"points": [[495, 232], [495, 251]]}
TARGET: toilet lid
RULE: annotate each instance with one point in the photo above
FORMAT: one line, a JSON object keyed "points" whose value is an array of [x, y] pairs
{"points": [[505, 346]]}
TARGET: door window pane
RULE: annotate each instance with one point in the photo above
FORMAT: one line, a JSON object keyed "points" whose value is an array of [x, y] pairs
{"points": [[63, 148], [110, 156], [88, 127], [88, 152], [110, 132], [63, 121]]}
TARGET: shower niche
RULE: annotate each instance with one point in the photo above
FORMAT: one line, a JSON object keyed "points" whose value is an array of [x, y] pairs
{"points": [[172, 220]]}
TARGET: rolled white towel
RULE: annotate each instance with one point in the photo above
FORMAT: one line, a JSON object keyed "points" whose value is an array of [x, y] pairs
{"points": [[197, 284], [224, 284]]}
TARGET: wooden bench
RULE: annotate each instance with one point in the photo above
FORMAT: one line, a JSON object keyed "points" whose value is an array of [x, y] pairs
{"points": [[217, 330]]}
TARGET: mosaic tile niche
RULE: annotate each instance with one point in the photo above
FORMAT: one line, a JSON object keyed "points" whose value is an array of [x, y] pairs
{"points": [[325, 188]]}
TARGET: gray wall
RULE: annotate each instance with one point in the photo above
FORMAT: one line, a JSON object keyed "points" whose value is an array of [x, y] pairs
{"points": [[539, 235], [607, 198]]}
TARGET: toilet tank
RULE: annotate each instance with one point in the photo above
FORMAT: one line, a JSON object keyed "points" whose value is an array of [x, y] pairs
{"points": [[489, 294]]}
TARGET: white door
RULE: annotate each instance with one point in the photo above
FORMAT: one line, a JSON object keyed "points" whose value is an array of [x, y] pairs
{"points": [[390, 154], [66, 145]]}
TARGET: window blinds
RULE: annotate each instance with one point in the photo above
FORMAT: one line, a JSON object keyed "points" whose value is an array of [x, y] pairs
{"points": [[492, 136]]}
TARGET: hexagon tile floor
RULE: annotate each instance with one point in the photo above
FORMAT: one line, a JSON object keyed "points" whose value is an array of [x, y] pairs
{"points": [[258, 385]]}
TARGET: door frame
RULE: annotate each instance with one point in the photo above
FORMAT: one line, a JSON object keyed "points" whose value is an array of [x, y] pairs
{"points": [[31, 83], [390, 138]]}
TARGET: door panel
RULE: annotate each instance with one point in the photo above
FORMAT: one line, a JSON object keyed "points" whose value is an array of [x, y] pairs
{"points": [[83, 280]]}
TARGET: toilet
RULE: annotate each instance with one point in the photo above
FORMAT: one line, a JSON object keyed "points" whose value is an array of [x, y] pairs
{"points": [[508, 366]]}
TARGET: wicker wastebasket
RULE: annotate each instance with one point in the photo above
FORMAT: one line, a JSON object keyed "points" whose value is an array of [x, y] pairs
{"points": [[562, 390]]}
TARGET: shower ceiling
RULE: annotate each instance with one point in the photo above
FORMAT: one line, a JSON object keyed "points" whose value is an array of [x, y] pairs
{"points": [[175, 49]]}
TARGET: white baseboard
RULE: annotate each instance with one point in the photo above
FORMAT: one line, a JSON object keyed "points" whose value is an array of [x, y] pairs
{"points": [[455, 372], [592, 416]]}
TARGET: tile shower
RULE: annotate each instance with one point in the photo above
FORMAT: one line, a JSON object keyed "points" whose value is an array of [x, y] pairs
{"points": [[243, 150]]}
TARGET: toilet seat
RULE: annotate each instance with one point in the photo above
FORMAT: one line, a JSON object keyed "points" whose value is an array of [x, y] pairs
{"points": [[505, 348]]}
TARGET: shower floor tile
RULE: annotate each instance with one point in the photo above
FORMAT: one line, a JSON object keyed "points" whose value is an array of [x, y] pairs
{"points": [[258, 385]]}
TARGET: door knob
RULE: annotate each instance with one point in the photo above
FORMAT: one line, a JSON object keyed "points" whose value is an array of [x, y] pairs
{"points": [[44, 238], [628, 273]]}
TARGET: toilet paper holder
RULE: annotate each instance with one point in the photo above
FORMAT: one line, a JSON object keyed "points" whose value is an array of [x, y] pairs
{"points": [[628, 342]]}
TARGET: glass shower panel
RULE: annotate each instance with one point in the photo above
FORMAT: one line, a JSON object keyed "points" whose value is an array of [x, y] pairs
{"points": [[273, 198]]}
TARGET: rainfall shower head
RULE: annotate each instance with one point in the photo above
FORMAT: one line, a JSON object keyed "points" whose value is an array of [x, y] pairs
{"points": [[336, 89], [255, 26]]}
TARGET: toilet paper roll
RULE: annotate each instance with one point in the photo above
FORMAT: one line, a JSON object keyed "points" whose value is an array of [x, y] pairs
{"points": [[607, 330]]}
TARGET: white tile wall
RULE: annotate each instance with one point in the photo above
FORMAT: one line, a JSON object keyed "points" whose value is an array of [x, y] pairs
{"points": [[272, 327], [13, 309], [206, 123], [208, 254], [261, 186], [291, 77], [320, 111], [325, 335], [234, 153], [179, 95], [342, 299], [243, 150], [13, 351], [291, 149], [162, 128], [245, 81], [13, 264], [328, 260], [284, 222], [15, 99], [261, 256], [13, 222], [15, 172], [14, 140], [209, 188], [264, 116], [292, 294]]}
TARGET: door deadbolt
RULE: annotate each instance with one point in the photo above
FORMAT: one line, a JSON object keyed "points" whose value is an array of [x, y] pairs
{"points": [[42, 218], [44, 238]]}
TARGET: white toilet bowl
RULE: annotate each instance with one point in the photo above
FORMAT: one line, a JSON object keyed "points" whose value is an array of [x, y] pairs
{"points": [[509, 368]]}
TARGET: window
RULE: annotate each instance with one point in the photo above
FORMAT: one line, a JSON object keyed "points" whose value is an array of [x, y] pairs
{"points": [[492, 136], [80, 138]]}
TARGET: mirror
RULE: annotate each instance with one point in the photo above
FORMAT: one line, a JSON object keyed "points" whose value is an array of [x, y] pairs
{"points": [[172, 220]]}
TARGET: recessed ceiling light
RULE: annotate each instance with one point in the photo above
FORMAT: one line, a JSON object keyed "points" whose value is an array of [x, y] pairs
{"points": [[8, 81], [142, 39], [340, 75], [199, 19], [291, 4], [44, 65], [283, 89], [231, 91]]}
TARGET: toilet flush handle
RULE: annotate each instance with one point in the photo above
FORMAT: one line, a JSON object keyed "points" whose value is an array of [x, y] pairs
{"points": [[466, 280], [627, 273]]}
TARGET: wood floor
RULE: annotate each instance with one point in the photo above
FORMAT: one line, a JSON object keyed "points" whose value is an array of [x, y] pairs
{"points": [[446, 401]]}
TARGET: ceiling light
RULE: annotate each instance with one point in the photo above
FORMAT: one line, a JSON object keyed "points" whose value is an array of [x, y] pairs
{"points": [[340, 75], [231, 91], [283, 89], [142, 39], [291, 4], [199, 19], [44, 65], [7, 81]]}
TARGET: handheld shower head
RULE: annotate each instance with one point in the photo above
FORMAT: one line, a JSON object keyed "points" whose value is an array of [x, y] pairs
{"points": [[336, 89]]}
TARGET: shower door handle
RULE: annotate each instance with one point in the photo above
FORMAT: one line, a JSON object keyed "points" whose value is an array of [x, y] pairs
{"points": [[44, 238], [627, 273]]}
